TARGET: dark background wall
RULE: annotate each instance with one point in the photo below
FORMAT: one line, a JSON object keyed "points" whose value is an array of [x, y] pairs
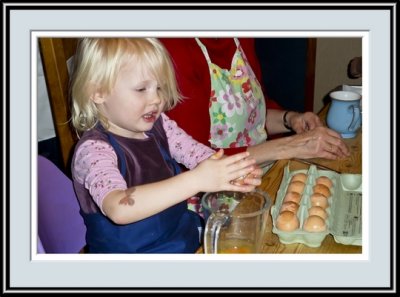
{"points": [[284, 67]]}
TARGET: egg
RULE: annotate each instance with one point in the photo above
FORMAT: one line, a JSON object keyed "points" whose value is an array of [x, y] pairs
{"points": [[322, 189], [324, 180], [314, 224], [287, 221], [240, 180], [317, 199], [317, 211], [290, 206], [296, 186], [292, 196], [299, 177]]}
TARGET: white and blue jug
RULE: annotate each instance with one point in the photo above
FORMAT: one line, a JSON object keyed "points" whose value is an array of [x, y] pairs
{"points": [[344, 114]]}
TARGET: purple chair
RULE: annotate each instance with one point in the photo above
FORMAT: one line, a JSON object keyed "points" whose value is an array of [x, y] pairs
{"points": [[40, 248], [60, 225]]}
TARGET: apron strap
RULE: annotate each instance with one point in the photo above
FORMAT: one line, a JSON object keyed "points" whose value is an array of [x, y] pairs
{"points": [[204, 50]]}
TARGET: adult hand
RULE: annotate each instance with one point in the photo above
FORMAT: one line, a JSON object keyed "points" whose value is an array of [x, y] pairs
{"points": [[320, 142], [302, 122]]}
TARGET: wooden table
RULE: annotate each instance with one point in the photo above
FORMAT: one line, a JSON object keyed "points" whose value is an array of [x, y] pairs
{"points": [[272, 180]]}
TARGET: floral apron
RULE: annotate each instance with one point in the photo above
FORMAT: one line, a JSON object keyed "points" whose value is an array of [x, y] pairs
{"points": [[237, 105]]}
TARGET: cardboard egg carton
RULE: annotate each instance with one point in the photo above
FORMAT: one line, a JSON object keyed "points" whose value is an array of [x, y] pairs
{"points": [[344, 209]]}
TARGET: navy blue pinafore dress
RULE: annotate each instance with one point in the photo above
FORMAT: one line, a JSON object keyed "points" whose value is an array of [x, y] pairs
{"points": [[141, 161]]}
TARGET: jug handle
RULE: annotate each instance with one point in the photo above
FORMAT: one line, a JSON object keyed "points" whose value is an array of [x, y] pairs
{"points": [[356, 116], [211, 233]]}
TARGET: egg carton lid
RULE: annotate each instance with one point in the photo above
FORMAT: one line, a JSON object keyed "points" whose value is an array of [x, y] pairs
{"points": [[345, 217]]}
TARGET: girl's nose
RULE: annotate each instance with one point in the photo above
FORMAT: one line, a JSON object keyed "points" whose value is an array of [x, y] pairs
{"points": [[155, 97]]}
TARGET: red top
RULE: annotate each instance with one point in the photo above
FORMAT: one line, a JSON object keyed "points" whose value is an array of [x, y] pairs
{"points": [[194, 82]]}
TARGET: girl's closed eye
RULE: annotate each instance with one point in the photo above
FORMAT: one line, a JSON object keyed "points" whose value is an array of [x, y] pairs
{"points": [[146, 87], [142, 89]]}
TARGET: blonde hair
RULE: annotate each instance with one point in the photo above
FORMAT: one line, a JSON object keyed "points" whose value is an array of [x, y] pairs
{"points": [[97, 63]]}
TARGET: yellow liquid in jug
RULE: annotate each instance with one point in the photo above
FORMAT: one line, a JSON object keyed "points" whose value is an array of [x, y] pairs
{"points": [[236, 246]]}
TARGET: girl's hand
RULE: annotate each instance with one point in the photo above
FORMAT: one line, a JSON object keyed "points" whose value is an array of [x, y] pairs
{"points": [[253, 178], [219, 172]]}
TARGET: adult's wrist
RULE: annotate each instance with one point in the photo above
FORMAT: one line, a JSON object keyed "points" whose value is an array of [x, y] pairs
{"points": [[286, 122]]}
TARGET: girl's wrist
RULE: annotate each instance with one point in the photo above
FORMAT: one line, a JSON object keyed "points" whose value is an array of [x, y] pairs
{"points": [[191, 180]]}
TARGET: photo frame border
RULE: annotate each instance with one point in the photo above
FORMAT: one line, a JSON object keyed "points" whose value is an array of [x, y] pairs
{"points": [[29, 271]]}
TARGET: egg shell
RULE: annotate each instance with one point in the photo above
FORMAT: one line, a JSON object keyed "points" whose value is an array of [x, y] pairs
{"points": [[317, 211], [292, 196], [322, 189], [317, 199], [296, 186], [324, 180], [299, 177], [290, 206], [314, 224], [287, 221]]}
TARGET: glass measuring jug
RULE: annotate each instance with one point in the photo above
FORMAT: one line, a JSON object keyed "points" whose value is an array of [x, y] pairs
{"points": [[235, 222]]}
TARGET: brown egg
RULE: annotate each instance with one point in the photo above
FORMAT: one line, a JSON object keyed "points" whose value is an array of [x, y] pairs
{"points": [[296, 186], [290, 206], [324, 180], [287, 221], [322, 189], [299, 177], [317, 199], [314, 224], [317, 211], [292, 196]]}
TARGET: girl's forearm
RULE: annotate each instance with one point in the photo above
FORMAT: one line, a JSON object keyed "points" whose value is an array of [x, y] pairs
{"points": [[140, 202]]}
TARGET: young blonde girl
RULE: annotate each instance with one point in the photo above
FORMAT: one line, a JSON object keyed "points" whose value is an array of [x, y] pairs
{"points": [[130, 188]]}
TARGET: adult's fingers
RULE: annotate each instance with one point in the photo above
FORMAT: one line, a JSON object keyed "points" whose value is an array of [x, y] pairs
{"points": [[336, 149]]}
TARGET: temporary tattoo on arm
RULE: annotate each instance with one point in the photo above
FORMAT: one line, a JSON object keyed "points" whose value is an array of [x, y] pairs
{"points": [[128, 200]]}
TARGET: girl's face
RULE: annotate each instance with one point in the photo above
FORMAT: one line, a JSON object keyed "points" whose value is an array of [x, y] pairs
{"points": [[134, 104]]}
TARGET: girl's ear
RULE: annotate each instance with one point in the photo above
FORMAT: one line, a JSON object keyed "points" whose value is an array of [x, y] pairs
{"points": [[98, 97]]}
